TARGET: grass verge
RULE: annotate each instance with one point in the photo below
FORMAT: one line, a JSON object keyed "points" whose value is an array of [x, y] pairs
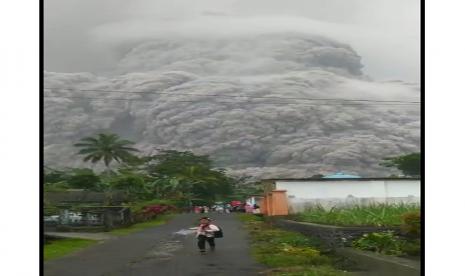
{"points": [[61, 247], [160, 220], [287, 252]]}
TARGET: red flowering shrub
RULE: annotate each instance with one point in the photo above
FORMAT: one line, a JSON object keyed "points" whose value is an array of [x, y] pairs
{"points": [[151, 211]]}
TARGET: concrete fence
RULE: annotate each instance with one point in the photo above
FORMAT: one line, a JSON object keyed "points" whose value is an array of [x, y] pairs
{"points": [[302, 194]]}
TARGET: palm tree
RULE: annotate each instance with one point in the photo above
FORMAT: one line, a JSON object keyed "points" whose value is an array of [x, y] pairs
{"points": [[106, 147]]}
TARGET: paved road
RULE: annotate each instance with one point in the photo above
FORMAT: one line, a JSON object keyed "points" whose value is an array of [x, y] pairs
{"points": [[160, 251]]}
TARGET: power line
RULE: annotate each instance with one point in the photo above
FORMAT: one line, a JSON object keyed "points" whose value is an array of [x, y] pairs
{"points": [[237, 102], [229, 96]]}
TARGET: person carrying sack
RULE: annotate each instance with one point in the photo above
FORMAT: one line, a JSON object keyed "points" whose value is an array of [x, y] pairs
{"points": [[206, 232]]}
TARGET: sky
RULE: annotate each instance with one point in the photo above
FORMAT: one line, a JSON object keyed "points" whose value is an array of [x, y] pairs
{"points": [[92, 36]]}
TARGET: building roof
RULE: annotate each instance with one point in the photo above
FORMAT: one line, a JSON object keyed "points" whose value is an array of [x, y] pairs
{"points": [[341, 175]]}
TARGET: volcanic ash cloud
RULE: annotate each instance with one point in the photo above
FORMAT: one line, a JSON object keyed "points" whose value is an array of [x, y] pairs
{"points": [[268, 136]]}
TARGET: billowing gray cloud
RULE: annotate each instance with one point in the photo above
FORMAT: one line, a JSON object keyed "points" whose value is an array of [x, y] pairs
{"points": [[259, 136], [89, 35]]}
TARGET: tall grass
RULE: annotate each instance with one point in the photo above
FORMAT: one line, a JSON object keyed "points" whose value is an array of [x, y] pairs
{"points": [[372, 215]]}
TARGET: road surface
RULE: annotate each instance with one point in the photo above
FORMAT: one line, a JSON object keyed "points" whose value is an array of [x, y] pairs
{"points": [[161, 251]]}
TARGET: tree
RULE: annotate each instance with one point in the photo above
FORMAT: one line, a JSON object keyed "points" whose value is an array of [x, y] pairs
{"points": [[409, 164], [129, 183], [106, 147], [184, 174], [83, 179], [54, 176], [171, 162]]}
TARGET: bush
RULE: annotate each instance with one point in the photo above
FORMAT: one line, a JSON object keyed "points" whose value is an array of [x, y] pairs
{"points": [[411, 225], [141, 205], [412, 248], [308, 270], [286, 249], [381, 242], [157, 209], [388, 243], [284, 259], [148, 212]]}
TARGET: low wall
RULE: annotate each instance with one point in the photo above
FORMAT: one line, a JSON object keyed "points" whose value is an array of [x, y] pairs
{"points": [[381, 265], [332, 236], [337, 237], [336, 192]]}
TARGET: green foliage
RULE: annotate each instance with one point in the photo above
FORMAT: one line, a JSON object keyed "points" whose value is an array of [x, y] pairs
{"points": [[179, 175], [159, 220], [56, 187], [286, 251], [372, 215], [130, 183], [388, 243], [411, 247], [106, 147], [249, 218], [139, 205], [409, 164], [171, 162], [283, 259], [321, 270], [49, 209], [381, 242], [78, 178], [83, 179], [243, 189], [186, 175], [61, 247], [54, 176]]}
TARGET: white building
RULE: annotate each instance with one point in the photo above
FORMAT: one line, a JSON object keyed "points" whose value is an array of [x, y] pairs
{"points": [[330, 192]]}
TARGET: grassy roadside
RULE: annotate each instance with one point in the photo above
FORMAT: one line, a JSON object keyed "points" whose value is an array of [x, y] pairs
{"points": [[287, 252], [160, 220], [61, 247]]}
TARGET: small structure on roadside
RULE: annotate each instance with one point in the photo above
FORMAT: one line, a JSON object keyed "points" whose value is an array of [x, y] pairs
{"points": [[81, 209], [284, 196]]}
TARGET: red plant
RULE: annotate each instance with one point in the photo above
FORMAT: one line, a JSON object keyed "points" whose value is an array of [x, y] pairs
{"points": [[158, 209]]}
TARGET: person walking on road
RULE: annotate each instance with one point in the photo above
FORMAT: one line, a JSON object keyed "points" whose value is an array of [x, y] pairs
{"points": [[206, 233]]}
